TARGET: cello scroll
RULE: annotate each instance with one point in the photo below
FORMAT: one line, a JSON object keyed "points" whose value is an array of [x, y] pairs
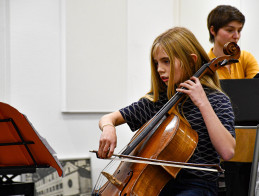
{"points": [[232, 53]]}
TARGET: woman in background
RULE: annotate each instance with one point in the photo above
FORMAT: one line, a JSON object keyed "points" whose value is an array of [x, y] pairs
{"points": [[225, 24]]}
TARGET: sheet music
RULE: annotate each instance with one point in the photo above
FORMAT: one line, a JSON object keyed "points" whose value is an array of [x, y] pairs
{"points": [[45, 142]]}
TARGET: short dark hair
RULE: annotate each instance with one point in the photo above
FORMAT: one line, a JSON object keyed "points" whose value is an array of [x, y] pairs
{"points": [[221, 15]]}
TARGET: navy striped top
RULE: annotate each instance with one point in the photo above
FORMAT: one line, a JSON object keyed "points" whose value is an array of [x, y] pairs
{"points": [[143, 110]]}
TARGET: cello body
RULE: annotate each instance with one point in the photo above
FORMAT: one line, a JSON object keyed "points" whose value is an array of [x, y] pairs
{"points": [[174, 141]]}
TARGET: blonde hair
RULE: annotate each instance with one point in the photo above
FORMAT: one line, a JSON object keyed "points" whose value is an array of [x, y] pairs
{"points": [[179, 43]]}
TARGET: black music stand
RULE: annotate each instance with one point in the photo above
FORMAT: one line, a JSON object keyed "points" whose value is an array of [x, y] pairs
{"points": [[244, 95], [22, 150]]}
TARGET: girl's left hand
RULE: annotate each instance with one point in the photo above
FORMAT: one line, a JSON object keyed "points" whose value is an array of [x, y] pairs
{"points": [[194, 90]]}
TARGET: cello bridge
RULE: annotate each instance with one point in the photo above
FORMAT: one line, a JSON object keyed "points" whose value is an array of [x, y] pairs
{"points": [[111, 179]]}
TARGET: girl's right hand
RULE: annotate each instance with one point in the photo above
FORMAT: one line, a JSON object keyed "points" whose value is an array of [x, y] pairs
{"points": [[107, 142]]}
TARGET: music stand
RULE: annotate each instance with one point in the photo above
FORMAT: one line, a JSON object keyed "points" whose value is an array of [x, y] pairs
{"points": [[22, 150], [244, 95]]}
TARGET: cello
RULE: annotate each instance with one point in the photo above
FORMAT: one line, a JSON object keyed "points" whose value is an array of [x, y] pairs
{"points": [[166, 140]]}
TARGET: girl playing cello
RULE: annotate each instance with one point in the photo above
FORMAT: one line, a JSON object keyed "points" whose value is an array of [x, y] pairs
{"points": [[176, 55]]}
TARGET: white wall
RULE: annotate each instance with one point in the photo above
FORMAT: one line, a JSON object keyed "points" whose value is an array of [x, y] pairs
{"points": [[4, 51], [34, 65], [95, 56]]}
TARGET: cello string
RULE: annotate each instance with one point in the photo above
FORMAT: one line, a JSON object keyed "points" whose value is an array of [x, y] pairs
{"points": [[97, 184], [101, 178]]}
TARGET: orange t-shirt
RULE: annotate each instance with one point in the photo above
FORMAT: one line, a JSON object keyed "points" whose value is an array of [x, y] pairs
{"points": [[247, 67]]}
